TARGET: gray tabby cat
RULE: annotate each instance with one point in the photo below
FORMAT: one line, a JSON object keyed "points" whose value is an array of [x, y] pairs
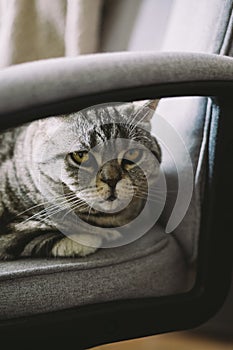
{"points": [[38, 158]]}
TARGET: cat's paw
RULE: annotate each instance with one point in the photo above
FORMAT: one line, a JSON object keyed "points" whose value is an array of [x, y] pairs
{"points": [[111, 234], [67, 247]]}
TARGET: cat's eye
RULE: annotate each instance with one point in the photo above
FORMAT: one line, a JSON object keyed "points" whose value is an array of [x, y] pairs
{"points": [[82, 157], [132, 156]]}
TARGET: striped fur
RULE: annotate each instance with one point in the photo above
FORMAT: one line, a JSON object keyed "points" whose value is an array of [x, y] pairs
{"points": [[35, 166]]}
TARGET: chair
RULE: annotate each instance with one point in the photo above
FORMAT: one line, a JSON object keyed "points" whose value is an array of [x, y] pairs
{"points": [[34, 293]]}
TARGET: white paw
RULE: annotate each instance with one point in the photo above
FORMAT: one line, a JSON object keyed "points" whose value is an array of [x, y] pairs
{"points": [[111, 234], [69, 248]]}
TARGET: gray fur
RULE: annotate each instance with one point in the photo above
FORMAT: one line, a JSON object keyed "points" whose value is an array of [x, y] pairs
{"points": [[35, 164]]}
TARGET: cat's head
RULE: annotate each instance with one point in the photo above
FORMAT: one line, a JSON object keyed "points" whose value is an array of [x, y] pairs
{"points": [[105, 158]]}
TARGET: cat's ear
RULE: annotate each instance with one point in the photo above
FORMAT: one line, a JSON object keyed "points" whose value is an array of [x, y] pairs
{"points": [[144, 111]]}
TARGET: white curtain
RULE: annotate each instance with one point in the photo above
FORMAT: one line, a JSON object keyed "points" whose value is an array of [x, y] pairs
{"points": [[38, 29]]}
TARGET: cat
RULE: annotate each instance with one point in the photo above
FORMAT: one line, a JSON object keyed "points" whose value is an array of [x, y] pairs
{"points": [[40, 163]]}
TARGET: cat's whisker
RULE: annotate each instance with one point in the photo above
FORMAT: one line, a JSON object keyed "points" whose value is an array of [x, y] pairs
{"points": [[45, 210], [74, 207], [148, 190], [47, 202], [89, 188], [32, 217], [149, 195], [91, 206], [54, 206], [138, 122], [61, 203], [151, 187], [134, 118], [55, 210], [86, 192], [35, 216], [158, 200], [130, 124], [89, 196], [58, 211]]}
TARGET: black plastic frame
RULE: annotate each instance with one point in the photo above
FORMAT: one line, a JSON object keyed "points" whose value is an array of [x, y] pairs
{"points": [[124, 319]]}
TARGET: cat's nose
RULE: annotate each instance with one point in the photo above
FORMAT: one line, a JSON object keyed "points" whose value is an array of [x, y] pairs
{"points": [[110, 173], [111, 198], [111, 182]]}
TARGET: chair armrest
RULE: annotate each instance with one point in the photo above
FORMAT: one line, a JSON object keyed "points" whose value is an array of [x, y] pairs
{"points": [[34, 90], [55, 86]]}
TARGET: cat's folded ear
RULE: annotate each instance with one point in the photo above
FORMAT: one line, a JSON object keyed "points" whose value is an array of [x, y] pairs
{"points": [[144, 111], [152, 104]]}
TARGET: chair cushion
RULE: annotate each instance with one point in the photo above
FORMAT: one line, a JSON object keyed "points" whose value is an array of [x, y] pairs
{"points": [[151, 266]]}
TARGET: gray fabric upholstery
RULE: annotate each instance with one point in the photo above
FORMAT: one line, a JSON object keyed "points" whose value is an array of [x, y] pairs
{"points": [[152, 266], [186, 117], [58, 79], [147, 267]]}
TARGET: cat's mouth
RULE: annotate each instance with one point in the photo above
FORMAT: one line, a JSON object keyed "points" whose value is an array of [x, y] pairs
{"points": [[112, 205], [111, 198], [112, 213]]}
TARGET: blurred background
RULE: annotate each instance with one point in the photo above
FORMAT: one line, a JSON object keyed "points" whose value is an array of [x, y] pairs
{"points": [[39, 29]]}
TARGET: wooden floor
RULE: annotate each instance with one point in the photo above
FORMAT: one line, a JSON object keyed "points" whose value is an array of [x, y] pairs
{"points": [[172, 341]]}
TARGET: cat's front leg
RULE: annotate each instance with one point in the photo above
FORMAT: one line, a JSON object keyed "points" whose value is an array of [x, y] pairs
{"points": [[11, 245], [83, 244], [74, 247], [7, 255]]}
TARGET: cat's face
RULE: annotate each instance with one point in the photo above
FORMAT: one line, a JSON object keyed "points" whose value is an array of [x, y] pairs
{"points": [[105, 158]]}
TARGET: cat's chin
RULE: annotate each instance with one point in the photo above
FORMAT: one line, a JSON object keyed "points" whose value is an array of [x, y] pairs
{"points": [[113, 218], [109, 207]]}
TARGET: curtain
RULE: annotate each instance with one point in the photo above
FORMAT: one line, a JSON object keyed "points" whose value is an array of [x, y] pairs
{"points": [[39, 29]]}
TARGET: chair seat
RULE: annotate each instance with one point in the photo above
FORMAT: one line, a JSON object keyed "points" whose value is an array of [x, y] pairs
{"points": [[32, 286]]}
